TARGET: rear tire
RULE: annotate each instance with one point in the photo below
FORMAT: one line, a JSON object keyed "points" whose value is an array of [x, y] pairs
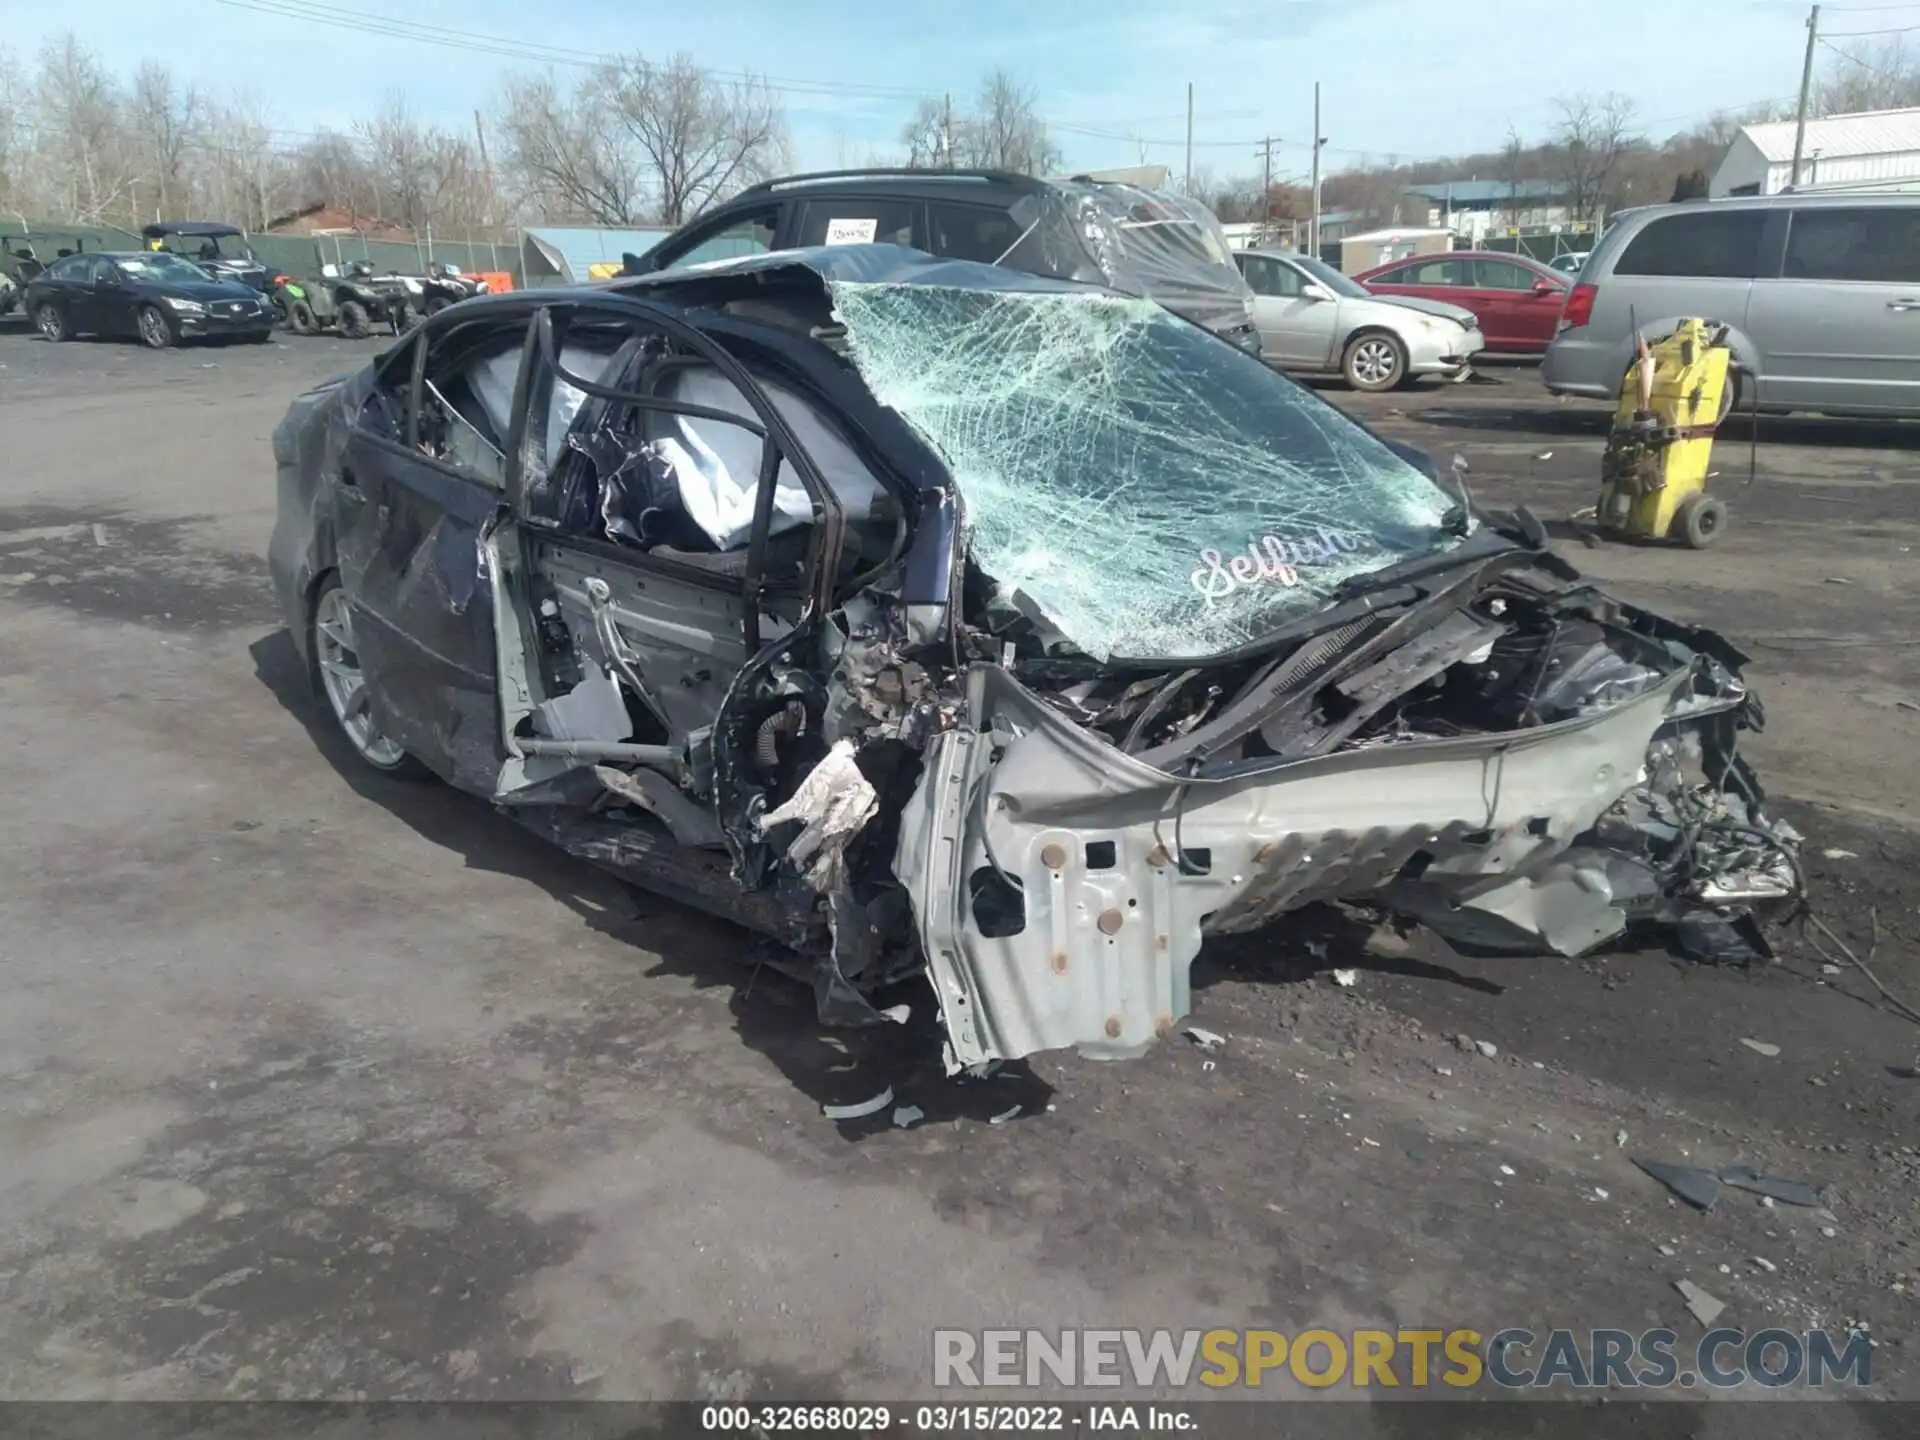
{"points": [[1374, 361], [301, 319], [156, 331], [334, 667], [355, 323], [1700, 519], [52, 323], [1729, 399]]}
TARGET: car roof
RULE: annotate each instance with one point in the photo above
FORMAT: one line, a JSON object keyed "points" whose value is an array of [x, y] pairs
{"points": [[1524, 260], [190, 227], [921, 184]]}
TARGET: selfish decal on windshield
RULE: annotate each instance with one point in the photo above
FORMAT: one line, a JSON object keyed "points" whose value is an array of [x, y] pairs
{"points": [[1270, 560]]}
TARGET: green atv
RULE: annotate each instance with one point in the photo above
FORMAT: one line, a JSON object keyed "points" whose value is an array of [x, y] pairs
{"points": [[345, 295]]}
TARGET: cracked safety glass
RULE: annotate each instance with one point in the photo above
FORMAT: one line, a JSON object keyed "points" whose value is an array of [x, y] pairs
{"points": [[1151, 490]]}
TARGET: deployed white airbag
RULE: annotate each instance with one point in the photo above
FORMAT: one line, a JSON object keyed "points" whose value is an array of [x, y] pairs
{"points": [[717, 465]]}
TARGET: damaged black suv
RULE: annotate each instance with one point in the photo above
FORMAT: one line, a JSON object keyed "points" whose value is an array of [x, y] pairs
{"points": [[936, 618]]}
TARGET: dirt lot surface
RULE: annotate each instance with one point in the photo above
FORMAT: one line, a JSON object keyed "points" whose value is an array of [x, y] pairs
{"points": [[317, 1085]]}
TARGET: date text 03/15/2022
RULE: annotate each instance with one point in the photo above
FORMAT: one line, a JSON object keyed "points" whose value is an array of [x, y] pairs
{"points": [[947, 1419]]}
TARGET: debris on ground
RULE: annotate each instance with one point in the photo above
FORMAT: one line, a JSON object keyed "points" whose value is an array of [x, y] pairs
{"points": [[1705, 1308], [1207, 1040], [1765, 1264], [1619, 1139], [1761, 1047], [1346, 979], [1506, 1170], [1486, 1048], [860, 1109], [1004, 1115], [905, 1117], [1699, 1188], [1793, 1192], [1841, 854]]}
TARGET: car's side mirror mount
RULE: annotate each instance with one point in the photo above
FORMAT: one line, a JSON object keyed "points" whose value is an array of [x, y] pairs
{"points": [[1545, 287], [1314, 290]]}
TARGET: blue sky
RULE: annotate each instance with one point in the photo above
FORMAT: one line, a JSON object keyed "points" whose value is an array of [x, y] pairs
{"points": [[1399, 77]]}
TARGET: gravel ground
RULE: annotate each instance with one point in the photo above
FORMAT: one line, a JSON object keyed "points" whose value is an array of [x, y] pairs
{"points": [[316, 1085]]}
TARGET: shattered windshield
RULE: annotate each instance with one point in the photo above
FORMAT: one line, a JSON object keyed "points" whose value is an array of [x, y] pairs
{"points": [[1152, 490]]}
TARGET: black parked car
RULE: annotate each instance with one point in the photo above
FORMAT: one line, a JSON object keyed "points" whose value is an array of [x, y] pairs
{"points": [[1140, 241], [157, 297]]}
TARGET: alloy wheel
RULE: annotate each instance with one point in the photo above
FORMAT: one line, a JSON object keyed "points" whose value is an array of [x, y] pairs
{"points": [[1375, 362], [153, 329], [52, 323], [345, 682]]}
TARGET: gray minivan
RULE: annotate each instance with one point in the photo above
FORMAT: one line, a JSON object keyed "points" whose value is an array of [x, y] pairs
{"points": [[1822, 294]]}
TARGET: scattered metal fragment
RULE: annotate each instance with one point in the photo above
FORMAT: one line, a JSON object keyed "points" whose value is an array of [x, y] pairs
{"points": [[1346, 979], [1705, 1308], [1699, 1188], [1793, 1192], [1004, 1116], [860, 1109], [1506, 1170], [1761, 1047], [1765, 1264], [1601, 1194], [905, 1117], [1207, 1040]]}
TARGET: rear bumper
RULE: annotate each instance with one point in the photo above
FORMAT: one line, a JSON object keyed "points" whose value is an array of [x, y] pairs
{"points": [[1574, 365]]}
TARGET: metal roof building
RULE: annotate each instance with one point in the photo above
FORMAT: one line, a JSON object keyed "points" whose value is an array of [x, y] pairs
{"points": [[568, 255], [1874, 147]]}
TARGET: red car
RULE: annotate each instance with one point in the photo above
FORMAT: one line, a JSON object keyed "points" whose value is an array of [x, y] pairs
{"points": [[1518, 300]]}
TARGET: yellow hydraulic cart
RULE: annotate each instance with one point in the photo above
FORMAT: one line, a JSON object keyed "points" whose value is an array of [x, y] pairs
{"points": [[1653, 478]]}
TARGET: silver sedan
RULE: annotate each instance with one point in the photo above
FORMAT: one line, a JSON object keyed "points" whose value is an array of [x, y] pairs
{"points": [[1313, 319]]}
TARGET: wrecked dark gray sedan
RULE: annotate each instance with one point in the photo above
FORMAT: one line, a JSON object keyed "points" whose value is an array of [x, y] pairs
{"points": [[938, 619]]}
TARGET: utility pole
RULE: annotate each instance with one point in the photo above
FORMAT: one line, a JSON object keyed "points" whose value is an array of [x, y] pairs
{"points": [[1266, 185], [493, 198], [946, 130], [1806, 87], [1313, 233], [1187, 184]]}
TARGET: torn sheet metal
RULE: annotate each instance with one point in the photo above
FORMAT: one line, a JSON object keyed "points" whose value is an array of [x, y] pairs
{"points": [[1100, 959], [1166, 247]]}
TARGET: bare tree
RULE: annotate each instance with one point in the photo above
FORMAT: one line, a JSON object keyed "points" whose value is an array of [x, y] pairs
{"points": [[77, 110], [565, 155], [928, 135], [1005, 131], [1588, 141], [1886, 77], [246, 176], [703, 137], [13, 132], [164, 118], [329, 170]]}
